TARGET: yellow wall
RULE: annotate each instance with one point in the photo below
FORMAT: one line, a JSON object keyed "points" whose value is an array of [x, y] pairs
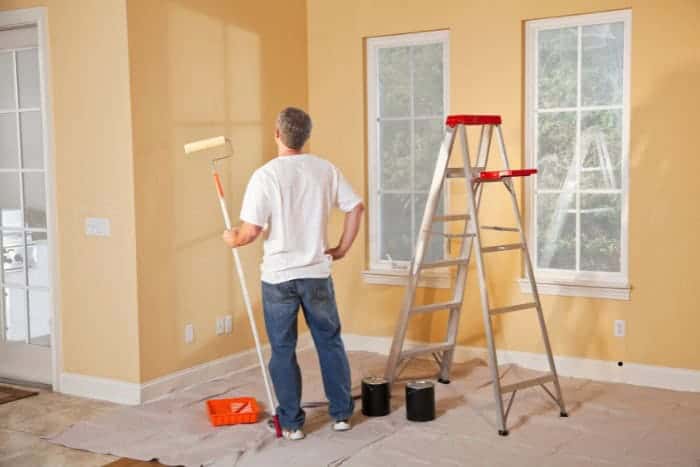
{"points": [[202, 68], [89, 87], [486, 66]]}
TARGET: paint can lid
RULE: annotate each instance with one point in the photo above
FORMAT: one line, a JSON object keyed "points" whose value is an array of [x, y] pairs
{"points": [[420, 384], [374, 380]]}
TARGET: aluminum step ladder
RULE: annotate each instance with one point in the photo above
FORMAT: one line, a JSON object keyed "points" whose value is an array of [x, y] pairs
{"points": [[475, 177]]}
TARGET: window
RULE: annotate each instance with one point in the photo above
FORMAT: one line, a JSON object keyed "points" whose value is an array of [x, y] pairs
{"points": [[407, 103], [577, 135]]}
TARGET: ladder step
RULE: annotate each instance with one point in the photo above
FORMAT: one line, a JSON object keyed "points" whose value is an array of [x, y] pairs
{"points": [[452, 235], [435, 307], [502, 229], [451, 217], [506, 309], [454, 172], [432, 348], [527, 383], [506, 247], [445, 263]]}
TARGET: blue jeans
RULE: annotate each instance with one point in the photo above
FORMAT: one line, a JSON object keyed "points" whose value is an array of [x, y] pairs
{"points": [[281, 306]]}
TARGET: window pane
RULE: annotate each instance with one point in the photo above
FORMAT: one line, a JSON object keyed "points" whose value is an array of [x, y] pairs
{"points": [[7, 82], [9, 157], [395, 153], [39, 332], [38, 259], [10, 208], [427, 80], [32, 140], [557, 55], [601, 149], [427, 140], [600, 232], [394, 82], [396, 244], [556, 230], [12, 258], [601, 64], [34, 200], [556, 141], [28, 77], [15, 314], [436, 247]]}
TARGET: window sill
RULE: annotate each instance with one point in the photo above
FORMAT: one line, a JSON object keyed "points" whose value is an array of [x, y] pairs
{"points": [[392, 277], [568, 289]]}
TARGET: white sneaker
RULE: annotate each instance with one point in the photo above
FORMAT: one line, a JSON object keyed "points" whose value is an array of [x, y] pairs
{"points": [[292, 435], [341, 425]]}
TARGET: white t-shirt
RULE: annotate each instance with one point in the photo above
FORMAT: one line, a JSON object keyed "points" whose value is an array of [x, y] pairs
{"points": [[293, 196]]}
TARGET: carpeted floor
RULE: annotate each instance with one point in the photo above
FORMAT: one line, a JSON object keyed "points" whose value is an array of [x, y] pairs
{"points": [[610, 424]]}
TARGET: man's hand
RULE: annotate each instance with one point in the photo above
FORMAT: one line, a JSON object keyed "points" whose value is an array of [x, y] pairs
{"points": [[350, 228], [337, 253], [229, 237]]}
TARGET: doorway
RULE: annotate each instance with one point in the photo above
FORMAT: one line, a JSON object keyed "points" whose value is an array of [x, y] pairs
{"points": [[26, 233]]}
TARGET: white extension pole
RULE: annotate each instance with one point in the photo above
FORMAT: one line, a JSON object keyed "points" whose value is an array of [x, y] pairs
{"points": [[246, 299]]}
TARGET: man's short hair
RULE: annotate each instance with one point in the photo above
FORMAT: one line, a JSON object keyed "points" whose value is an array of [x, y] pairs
{"points": [[294, 126]]}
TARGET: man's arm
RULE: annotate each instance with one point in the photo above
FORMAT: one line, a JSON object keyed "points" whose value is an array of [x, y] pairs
{"points": [[353, 219], [242, 235]]}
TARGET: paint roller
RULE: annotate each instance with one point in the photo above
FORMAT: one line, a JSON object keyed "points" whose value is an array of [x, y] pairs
{"points": [[223, 142]]}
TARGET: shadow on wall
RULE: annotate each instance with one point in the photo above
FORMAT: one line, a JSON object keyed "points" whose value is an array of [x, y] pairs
{"points": [[201, 69]]}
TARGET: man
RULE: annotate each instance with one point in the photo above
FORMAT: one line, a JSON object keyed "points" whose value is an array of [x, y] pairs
{"points": [[293, 195]]}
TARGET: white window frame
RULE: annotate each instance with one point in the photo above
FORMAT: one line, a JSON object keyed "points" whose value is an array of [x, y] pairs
{"points": [[383, 271], [577, 283]]}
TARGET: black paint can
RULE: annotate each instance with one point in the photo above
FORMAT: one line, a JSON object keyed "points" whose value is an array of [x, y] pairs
{"points": [[375, 396], [420, 401]]}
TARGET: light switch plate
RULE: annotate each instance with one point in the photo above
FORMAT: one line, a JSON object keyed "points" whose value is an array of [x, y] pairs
{"points": [[228, 321], [97, 227]]}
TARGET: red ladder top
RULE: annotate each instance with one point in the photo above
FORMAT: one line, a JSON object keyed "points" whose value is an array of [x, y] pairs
{"points": [[453, 120]]}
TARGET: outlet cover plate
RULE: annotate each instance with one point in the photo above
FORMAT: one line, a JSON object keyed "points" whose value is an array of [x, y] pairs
{"points": [[620, 328]]}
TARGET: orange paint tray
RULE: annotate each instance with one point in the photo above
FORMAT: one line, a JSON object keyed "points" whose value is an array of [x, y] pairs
{"points": [[233, 411]]}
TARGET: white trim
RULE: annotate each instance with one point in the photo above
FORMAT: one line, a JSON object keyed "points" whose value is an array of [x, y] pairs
{"points": [[372, 46], [569, 280], [576, 290], [38, 16], [678, 379], [123, 392], [240, 361], [400, 277], [106, 389]]}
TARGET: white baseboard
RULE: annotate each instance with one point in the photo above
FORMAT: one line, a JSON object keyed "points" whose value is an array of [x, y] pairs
{"points": [[122, 392], [679, 379], [106, 389]]}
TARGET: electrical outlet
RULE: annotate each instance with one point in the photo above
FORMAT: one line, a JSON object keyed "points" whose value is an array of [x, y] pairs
{"points": [[228, 324], [620, 328], [189, 334], [220, 328]]}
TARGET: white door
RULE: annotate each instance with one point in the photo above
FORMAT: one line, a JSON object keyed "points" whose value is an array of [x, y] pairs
{"points": [[25, 279]]}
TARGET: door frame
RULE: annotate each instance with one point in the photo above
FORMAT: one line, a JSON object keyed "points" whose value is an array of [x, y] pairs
{"points": [[38, 16]]}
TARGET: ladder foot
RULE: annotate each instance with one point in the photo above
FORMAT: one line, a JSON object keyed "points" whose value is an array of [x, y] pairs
{"points": [[503, 432], [443, 381], [563, 414]]}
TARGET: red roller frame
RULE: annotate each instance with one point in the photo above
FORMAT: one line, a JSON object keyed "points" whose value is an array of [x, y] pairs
{"points": [[453, 120], [499, 174]]}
